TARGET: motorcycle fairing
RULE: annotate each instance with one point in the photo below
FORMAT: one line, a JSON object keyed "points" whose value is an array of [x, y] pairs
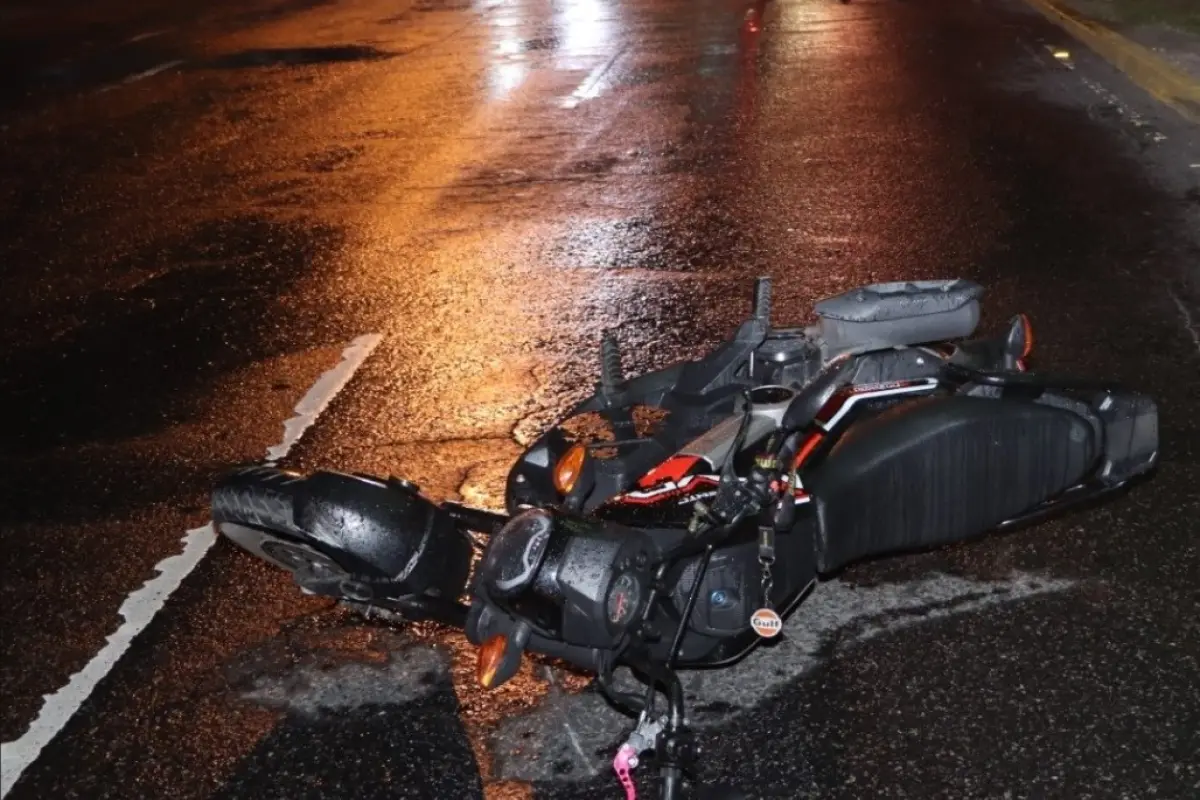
{"points": [[691, 419], [883, 321], [666, 493], [886, 485], [878, 485]]}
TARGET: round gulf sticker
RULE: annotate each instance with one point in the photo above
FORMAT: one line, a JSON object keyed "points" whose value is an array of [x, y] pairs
{"points": [[766, 623]]}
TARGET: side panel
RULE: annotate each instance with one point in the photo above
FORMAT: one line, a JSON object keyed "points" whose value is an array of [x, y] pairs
{"points": [[941, 470]]}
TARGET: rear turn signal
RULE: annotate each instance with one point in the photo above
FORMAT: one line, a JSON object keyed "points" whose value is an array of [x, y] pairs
{"points": [[1027, 327], [491, 653], [568, 469]]}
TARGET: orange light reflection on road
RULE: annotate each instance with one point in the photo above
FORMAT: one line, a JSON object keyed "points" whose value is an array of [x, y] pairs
{"points": [[587, 27], [508, 65]]}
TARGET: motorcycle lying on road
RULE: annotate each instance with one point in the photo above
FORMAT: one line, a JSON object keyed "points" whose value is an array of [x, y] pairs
{"points": [[707, 498]]}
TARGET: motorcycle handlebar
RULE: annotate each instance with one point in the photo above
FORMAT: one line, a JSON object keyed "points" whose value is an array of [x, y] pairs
{"points": [[735, 500]]}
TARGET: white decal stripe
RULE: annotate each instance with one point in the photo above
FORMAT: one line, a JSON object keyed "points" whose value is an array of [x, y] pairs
{"points": [[927, 386]]}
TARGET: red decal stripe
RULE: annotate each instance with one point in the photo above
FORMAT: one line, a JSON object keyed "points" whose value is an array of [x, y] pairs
{"points": [[810, 444], [673, 469]]}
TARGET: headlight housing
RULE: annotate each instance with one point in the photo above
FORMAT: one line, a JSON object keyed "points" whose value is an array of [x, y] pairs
{"points": [[516, 552], [574, 580]]}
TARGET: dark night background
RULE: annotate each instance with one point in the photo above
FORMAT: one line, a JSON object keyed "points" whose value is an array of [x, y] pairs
{"points": [[206, 203]]}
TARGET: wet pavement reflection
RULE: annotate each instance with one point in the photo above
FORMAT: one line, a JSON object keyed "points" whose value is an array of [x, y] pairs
{"points": [[489, 186]]}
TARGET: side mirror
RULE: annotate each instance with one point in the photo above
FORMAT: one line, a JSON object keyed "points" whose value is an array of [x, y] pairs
{"points": [[812, 398]]}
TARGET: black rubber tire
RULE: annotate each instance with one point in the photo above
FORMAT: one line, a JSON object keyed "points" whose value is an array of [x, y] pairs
{"points": [[259, 496], [255, 508]]}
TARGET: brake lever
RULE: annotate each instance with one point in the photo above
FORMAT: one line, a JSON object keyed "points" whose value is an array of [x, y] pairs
{"points": [[643, 738]]}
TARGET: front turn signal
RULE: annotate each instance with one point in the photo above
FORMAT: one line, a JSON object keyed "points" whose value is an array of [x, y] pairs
{"points": [[491, 654], [569, 468], [1027, 329]]}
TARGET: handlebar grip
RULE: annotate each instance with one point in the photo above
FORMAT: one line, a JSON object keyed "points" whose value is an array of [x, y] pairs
{"points": [[762, 299], [612, 372]]}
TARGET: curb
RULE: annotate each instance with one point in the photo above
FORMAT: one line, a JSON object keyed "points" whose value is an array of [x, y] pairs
{"points": [[1168, 84]]}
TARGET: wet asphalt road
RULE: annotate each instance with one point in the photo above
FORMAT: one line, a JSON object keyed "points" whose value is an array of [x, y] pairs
{"points": [[207, 204]]}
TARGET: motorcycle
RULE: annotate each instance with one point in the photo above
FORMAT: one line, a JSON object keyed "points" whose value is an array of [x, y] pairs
{"points": [[695, 506]]}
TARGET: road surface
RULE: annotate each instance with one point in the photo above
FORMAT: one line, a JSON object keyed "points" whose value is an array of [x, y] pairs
{"points": [[439, 205]]}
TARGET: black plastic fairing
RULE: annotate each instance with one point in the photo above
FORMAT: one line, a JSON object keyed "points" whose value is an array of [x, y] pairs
{"points": [[556, 571], [812, 398], [721, 367], [941, 470], [732, 589]]}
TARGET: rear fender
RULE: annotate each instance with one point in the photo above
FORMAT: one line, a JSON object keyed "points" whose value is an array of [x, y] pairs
{"points": [[387, 530]]}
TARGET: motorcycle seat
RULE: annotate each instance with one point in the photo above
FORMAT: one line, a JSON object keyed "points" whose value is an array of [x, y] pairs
{"points": [[899, 314]]}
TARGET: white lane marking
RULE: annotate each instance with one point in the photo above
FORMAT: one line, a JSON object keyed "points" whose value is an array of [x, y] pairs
{"points": [[1187, 320], [590, 87], [1136, 119], [149, 73], [313, 404], [141, 606], [141, 37], [137, 610]]}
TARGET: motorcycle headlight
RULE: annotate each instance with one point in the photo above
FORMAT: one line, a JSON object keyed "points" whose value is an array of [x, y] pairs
{"points": [[516, 552], [575, 580]]}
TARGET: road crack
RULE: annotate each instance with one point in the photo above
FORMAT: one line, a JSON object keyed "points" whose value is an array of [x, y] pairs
{"points": [[1188, 322]]}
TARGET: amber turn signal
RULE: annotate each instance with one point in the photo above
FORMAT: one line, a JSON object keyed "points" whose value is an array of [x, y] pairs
{"points": [[491, 653], [568, 468], [1028, 329]]}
